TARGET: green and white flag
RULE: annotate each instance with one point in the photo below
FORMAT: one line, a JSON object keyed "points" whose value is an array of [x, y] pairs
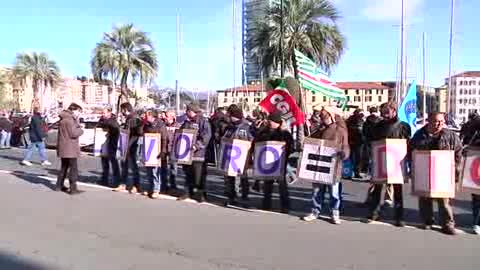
{"points": [[313, 79]]}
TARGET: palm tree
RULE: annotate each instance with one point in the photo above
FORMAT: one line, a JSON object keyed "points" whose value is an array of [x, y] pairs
{"points": [[309, 26], [126, 53], [41, 70]]}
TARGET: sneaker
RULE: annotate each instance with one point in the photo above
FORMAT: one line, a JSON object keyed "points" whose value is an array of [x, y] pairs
{"points": [[450, 230], [155, 195], [46, 163], [400, 223], [388, 203], [26, 163], [145, 193], [183, 197], [310, 217], [336, 217], [373, 218], [476, 229], [426, 227], [133, 190], [121, 187]]}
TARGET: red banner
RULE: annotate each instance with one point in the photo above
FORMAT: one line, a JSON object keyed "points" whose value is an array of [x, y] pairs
{"points": [[282, 101]]}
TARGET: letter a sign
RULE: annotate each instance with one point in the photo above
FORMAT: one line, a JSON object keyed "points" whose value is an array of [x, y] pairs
{"points": [[151, 149], [433, 174], [471, 171], [233, 156], [182, 146], [269, 160]]}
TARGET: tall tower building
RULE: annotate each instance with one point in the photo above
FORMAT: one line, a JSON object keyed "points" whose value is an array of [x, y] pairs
{"points": [[252, 9]]}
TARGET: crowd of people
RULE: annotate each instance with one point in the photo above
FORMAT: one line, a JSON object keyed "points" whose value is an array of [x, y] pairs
{"points": [[352, 137]]}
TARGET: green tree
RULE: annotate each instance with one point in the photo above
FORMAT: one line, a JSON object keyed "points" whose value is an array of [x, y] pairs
{"points": [[125, 54], [310, 26], [41, 70]]}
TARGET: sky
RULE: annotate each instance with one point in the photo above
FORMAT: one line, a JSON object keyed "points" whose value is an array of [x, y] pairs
{"points": [[69, 30]]}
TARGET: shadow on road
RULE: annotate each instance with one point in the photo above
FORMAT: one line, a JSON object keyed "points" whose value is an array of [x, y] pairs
{"points": [[11, 158], [12, 262], [34, 179]]}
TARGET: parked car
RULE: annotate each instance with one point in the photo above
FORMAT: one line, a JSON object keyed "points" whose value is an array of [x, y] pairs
{"points": [[86, 140]]}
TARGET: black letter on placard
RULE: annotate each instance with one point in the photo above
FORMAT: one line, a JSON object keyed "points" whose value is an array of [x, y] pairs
{"points": [[320, 158], [320, 169]]}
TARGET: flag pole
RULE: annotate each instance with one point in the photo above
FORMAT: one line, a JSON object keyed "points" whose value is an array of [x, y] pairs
{"points": [[177, 87], [449, 92], [282, 64], [402, 57], [424, 75], [233, 44]]}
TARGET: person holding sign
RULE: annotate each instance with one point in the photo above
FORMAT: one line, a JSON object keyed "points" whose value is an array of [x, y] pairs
{"points": [[155, 125], [109, 123], [434, 136], [196, 174], [238, 128], [390, 127], [474, 141], [134, 125], [274, 132], [334, 129], [170, 168]]}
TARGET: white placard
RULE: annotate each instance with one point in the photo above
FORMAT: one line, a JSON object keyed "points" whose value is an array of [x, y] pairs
{"points": [[183, 142], [233, 156], [100, 146], [319, 162], [269, 160], [151, 149], [471, 171]]}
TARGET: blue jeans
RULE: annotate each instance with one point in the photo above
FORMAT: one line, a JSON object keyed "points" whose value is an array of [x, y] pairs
{"points": [[319, 190], [131, 163], [5, 140], [41, 151], [476, 209], [168, 176], [153, 176]]}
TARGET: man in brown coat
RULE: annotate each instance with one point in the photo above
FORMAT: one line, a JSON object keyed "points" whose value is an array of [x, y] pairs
{"points": [[68, 147], [334, 130]]}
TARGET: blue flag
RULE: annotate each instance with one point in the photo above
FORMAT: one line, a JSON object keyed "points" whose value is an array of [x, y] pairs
{"points": [[408, 109]]}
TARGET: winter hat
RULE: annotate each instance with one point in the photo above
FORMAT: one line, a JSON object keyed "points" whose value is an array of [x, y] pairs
{"points": [[276, 117], [194, 107], [235, 111]]}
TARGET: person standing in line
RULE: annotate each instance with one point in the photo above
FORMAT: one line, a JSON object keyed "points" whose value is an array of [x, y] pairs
{"points": [[239, 128], [196, 174], [334, 130], [274, 132], [170, 167], [109, 123], [155, 125], [356, 140], [434, 136], [390, 127], [134, 124], [37, 134], [68, 147], [6, 126]]}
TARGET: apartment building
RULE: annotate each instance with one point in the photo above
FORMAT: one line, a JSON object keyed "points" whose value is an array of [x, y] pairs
{"points": [[248, 95], [464, 97]]}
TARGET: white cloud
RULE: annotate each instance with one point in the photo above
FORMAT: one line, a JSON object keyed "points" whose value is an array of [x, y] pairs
{"points": [[391, 10]]}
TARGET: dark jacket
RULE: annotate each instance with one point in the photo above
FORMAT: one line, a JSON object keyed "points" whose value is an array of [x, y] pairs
{"points": [[6, 124], [268, 134], [470, 131], [158, 126], [355, 130], [112, 128], [204, 134], [391, 129], [242, 130], [171, 128], [134, 124], [69, 131], [369, 126], [447, 140], [36, 128]]}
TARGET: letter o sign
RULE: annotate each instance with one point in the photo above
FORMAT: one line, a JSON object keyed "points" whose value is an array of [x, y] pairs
{"points": [[183, 145], [475, 171], [263, 156]]}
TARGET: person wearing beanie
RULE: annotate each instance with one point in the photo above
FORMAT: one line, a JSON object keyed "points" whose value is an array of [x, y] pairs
{"points": [[196, 174], [334, 130], [274, 132], [238, 128]]}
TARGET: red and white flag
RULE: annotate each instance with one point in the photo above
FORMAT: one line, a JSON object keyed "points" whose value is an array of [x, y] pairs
{"points": [[280, 99]]}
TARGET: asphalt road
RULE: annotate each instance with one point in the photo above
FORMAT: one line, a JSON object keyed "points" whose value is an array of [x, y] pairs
{"points": [[99, 229]]}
